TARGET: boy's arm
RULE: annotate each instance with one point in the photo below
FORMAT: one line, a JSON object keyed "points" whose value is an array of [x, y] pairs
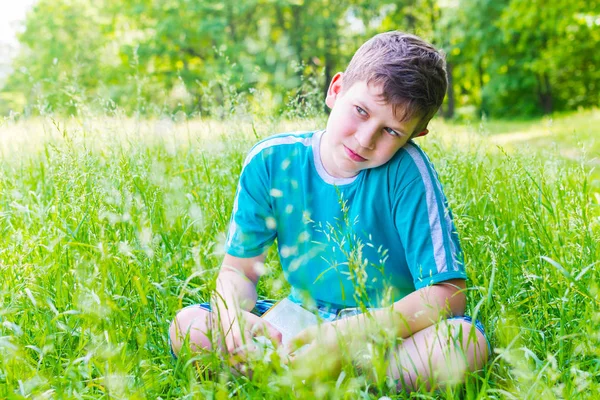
{"points": [[235, 296], [412, 313], [236, 284]]}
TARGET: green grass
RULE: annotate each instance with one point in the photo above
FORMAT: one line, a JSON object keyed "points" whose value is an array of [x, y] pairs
{"points": [[109, 226], [574, 136]]}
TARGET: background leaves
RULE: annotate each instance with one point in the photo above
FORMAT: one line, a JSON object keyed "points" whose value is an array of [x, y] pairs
{"points": [[506, 58]]}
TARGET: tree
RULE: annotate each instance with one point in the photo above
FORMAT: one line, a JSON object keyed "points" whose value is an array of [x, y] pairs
{"points": [[62, 45], [505, 57]]}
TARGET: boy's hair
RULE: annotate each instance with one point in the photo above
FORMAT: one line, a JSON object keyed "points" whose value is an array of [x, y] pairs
{"points": [[412, 72]]}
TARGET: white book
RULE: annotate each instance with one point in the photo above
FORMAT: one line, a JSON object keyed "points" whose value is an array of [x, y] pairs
{"points": [[289, 318]]}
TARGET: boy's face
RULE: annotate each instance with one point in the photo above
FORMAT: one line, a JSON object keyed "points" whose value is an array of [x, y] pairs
{"points": [[362, 131]]}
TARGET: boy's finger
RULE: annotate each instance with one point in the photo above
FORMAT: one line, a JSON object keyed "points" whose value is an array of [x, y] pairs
{"points": [[298, 341], [240, 354], [273, 333], [303, 361], [266, 329]]}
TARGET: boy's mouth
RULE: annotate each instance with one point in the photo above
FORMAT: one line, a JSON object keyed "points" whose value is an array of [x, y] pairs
{"points": [[354, 156]]}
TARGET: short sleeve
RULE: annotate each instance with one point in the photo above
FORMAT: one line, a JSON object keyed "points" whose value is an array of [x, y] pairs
{"points": [[425, 227], [252, 227]]}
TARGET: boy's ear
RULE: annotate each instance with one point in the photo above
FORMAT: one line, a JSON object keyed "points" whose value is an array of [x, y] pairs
{"points": [[422, 133], [335, 88]]}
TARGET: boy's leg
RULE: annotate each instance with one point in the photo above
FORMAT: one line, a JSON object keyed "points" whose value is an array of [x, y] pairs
{"points": [[439, 355], [195, 321]]}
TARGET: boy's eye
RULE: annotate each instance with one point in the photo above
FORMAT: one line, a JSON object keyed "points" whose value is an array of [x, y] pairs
{"points": [[360, 110], [392, 132]]}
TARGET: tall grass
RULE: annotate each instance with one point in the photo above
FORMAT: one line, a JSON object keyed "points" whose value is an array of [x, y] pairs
{"points": [[109, 226]]}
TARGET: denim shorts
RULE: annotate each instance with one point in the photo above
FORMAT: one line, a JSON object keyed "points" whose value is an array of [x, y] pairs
{"points": [[328, 313]]}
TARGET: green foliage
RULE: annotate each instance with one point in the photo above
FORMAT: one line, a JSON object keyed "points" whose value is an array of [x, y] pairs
{"points": [[61, 50], [530, 57], [506, 58]]}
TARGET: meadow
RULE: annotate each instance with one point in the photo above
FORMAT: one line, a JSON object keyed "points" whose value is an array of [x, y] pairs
{"points": [[109, 225]]}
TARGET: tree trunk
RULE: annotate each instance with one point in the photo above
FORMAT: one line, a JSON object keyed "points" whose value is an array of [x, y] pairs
{"points": [[298, 37], [545, 94], [450, 105], [331, 47], [411, 22], [480, 73]]}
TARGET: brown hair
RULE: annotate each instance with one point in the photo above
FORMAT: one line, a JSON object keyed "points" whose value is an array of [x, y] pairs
{"points": [[412, 72]]}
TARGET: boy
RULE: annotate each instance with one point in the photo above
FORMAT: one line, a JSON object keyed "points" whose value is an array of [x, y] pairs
{"points": [[362, 227]]}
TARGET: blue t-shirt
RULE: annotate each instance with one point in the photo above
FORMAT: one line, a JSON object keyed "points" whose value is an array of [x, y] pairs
{"points": [[370, 239]]}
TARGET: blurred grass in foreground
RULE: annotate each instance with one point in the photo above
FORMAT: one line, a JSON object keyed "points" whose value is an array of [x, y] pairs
{"points": [[109, 226]]}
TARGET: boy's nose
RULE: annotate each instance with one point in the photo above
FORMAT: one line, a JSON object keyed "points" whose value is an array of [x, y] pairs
{"points": [[366, 137]]}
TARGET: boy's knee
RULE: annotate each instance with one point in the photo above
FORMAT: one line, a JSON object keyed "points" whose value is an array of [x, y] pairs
{"points": [[189, 323], [176, 334], [471, 342]]}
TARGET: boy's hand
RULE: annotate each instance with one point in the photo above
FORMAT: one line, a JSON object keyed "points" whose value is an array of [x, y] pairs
{"points": [[239, 334], [316, 352]]}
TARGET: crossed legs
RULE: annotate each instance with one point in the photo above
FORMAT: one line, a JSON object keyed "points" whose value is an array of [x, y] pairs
{"points": [[434, 357]]}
